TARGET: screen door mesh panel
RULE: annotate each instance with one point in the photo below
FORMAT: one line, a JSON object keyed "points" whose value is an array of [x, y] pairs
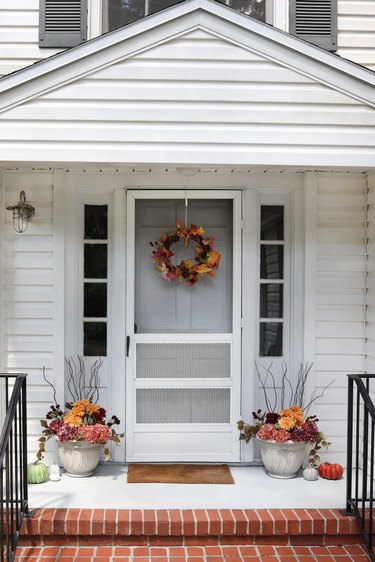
{"points": [[183, 405], [183, 360]]}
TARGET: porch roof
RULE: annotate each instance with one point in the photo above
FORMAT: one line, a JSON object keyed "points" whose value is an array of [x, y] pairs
{"points": [[197, 83], [328, 68]]}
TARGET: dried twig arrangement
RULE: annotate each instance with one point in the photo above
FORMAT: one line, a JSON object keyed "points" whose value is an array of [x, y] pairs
{"points": [[51, 385], [296, 392], [80, 385]]}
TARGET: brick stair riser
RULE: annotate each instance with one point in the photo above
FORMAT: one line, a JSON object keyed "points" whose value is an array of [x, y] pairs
{"points": [[111, 527], [148, 541]]}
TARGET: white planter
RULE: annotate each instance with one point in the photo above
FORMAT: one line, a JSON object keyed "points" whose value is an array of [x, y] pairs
{"points": [[282, 460], [79, 458]]}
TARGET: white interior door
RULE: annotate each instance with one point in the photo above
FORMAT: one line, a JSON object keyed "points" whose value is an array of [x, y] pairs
{"points": [[183, 368]]}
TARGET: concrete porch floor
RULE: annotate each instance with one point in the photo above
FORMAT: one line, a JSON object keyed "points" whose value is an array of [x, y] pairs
{"points": [[253, 489]]}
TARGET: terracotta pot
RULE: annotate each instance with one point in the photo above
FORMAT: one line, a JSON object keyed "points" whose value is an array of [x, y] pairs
{"points": [[281, 460], [79, 458]]}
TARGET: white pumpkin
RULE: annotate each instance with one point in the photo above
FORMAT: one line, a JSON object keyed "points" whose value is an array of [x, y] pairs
{"points": [[310, 473], [54, 472]]}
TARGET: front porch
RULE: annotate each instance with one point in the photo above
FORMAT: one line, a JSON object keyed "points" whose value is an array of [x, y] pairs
{"points": [[253, 489], [255, 518]]}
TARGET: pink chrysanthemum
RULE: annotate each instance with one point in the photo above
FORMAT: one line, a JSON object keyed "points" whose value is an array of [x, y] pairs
{"points": [[97, 433], [269, 432]]}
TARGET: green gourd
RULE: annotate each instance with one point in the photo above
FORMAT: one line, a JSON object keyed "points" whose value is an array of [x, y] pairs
{"points": [[36, 473]]}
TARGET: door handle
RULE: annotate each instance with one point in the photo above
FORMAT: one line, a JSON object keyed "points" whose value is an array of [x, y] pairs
{"points": [[127, 345]]}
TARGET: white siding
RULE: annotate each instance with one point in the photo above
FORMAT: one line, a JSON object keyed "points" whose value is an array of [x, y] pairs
{"points": [[29, 294], [198, 99], [19, 31], [339, 299], [356, 31]]}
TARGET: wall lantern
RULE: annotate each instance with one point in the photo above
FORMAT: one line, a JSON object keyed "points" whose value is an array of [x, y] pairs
{"points": [[22, 213]]}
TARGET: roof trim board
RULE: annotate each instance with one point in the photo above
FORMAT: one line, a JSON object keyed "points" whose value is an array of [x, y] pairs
{"points": [[217, 19]]}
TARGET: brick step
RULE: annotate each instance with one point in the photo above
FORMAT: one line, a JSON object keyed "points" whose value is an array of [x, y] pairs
{"points": [[349, 553], [199, 527]]}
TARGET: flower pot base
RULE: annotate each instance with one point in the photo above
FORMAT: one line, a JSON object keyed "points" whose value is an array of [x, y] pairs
{"points": [[79, 459], [282, 460], [80, 475], [282, 476]]}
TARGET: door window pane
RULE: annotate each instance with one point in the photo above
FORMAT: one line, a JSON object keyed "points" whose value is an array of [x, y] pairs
{"points": [[96, 222], [170, 307], [271, 300], [95, 300], [271, 261], [272, 222], [271, 339], [95, 339], [95, 261]]}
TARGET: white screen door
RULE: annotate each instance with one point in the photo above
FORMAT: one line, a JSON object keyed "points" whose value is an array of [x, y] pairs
{"points": [[183, 370]]}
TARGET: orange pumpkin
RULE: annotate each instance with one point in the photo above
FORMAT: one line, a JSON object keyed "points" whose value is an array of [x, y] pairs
{"points": [[330, 471]]}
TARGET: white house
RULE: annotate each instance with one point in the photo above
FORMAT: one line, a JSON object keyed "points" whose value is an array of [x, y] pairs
{"points": [[200, 113]]}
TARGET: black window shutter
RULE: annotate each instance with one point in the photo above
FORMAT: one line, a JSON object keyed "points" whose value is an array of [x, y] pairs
{"points": [[314, 21], [62, 23]]}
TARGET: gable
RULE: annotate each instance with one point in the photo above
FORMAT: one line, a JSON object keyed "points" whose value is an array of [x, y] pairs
{"points": [[199, 96]]}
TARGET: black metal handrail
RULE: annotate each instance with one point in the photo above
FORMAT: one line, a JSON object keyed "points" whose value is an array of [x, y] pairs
{"points": [[13, 464], [360, 457]]}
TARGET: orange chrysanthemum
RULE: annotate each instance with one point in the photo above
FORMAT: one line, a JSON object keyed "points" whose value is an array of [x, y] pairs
{"points": [[286, 422], [291, 418], [79, 410], [72, 419]]}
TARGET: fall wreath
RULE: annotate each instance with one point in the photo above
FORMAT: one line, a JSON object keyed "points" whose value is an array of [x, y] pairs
{"points": [[206, 259]]}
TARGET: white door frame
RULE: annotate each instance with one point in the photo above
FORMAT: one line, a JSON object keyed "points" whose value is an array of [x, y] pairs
{"points": [[203, 434]]}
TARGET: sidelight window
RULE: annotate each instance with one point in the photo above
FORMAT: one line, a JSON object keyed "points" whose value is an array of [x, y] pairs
{"points": [[271, 285], [95, 280]]}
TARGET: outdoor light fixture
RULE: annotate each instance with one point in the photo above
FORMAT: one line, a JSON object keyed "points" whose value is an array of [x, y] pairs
{"points": [[22, 213]]}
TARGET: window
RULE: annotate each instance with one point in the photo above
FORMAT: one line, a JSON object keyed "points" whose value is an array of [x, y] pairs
{"points": [[117, 13], [271, 285], [95, 280], [62, 23], [315, 22]]}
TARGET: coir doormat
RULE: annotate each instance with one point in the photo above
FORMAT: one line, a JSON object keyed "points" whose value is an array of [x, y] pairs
{"points": [[179, 474]]}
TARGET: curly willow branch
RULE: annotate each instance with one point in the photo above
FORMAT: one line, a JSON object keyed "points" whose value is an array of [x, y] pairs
{"points": [[51, 385], [297, 395], [79, 388]]}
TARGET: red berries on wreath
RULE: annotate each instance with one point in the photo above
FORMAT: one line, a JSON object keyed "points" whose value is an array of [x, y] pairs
{"points": [[206, 259]]}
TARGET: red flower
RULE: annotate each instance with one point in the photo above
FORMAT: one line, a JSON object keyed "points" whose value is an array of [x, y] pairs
{"points": [[272, 417]]}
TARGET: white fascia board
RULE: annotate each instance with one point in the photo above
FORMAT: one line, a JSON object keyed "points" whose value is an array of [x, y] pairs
{"points": [[287, 50], [312, 159]]}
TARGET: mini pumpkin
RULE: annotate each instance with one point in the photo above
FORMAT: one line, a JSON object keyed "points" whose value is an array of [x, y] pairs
{"points": [[310, 473], [36, 473], [331, 471]]}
